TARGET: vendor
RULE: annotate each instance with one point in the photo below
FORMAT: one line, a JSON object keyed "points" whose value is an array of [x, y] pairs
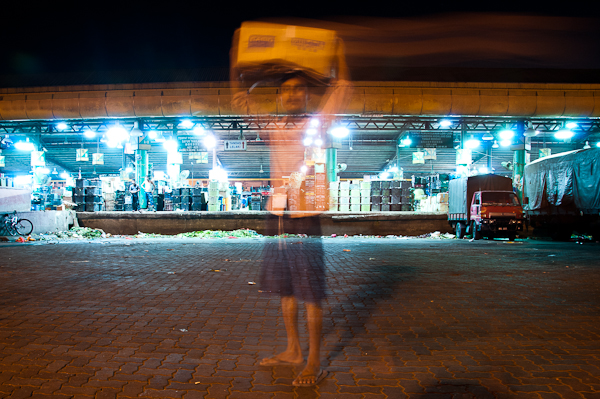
{"points": [[148, 187], [134, 189]]}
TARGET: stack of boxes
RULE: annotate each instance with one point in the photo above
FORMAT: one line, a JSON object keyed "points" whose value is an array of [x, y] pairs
{"points": [[197, 199], [344, 196], [213, 197], [389, 196], [119, 201], [176, 198], [255, 202], [184, 203], [93, 195], [168, 202], [365, 196], [87, 195], [320, 188]]}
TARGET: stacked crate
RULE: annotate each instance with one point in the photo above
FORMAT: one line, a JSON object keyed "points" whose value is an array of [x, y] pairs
{"points": [[93, 195], [184, 204], [365, 196], [213, 196], [79, 195], [310, 189], [109, 199], [320, 188], [344, 196], [355, 196], [197, 199], [119, 200], [406, 198], [376, 196], [334, 191], [255, 202], [168, 202]]}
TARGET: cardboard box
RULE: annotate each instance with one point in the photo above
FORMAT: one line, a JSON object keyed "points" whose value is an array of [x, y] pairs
{"points": [[260, 45]]}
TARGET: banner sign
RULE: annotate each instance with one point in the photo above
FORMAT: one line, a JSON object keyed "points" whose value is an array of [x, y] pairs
{"points": [[235, 145], [82, 155], [2, 157], [200, 157], [97, 159], [545, 152], [430, 153], [431, 140], [191, 144], [418, 157]]}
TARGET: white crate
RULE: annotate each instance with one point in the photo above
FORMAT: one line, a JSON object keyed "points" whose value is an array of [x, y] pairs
{"points": [[344, 185], [344, 208], [344, 193], [344, 200], [355, 192], [355, 208], [355, 200]]}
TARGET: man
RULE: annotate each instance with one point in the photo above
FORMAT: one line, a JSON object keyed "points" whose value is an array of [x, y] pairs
{"points": [[134, 189], [148, 187], [294, 272]]}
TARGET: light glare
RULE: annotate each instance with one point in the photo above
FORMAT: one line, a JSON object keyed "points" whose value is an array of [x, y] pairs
{"points": [[563, 134], [210, 141], [445, 123], [61, 126], [199, 130], [505, 143], [170, 145], [340, 132], [318, 142], [307, 141], [314, 122], [186, 123], [89, 134], [311, 132], [507, 134], [571, 125], [472, 143]]}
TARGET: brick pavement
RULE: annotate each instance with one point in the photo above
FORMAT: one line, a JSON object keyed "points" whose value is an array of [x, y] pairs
{"points": [[405, 319]]}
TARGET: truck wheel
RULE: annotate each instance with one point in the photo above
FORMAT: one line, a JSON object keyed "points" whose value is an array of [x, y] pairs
{"points": [[460, 230], [476, 233]]}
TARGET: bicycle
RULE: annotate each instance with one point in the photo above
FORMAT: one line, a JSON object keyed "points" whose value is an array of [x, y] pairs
{"points": [[16, 226]]}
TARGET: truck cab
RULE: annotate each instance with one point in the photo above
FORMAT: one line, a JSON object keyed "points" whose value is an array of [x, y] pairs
{"points": [[495, 214]]}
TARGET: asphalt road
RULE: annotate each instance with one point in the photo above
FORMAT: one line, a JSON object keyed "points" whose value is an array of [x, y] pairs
{"points": [[417, 318]]}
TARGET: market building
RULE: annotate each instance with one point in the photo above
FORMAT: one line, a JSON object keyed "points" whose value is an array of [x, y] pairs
{"points": [[399, 139]]}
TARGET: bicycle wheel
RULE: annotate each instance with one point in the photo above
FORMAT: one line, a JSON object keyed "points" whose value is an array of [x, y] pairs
{"points": [[24, 227]]}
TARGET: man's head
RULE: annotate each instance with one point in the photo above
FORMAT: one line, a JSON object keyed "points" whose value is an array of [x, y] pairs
{"points": [[294, 95]]}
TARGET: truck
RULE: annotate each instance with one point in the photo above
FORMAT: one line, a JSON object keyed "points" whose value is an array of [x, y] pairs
{"points": [[484, 206], [561, 194]]}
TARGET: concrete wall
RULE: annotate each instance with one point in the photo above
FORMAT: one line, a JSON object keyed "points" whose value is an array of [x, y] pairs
{"points": [[14, 199], [397, 223], [48, 221]]}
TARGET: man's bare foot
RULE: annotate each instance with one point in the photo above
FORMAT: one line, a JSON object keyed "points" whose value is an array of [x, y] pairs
{"points": [[283, 359], [309, 377]]}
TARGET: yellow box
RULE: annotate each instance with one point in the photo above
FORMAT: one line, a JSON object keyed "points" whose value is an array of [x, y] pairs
{"points": [[310, 49]]}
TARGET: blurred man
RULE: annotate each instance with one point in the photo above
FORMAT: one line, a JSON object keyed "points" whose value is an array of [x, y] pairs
{"points": [[294, 272]]}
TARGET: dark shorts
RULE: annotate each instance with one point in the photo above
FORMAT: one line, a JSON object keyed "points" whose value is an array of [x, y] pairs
{"points": [[294, 267]]}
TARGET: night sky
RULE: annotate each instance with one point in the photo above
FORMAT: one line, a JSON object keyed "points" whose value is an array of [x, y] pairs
{"points": [[98, 36]]}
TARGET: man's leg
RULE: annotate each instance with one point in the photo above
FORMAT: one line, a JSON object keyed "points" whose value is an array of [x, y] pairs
{"points": [[314, 317], [293, 353]]}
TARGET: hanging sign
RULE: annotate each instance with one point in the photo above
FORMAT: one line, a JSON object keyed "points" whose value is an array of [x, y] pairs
{"points": [[82, 155], [128, 149], [431, 140], [418, 157], [38, 158], [2, 161], [235, 145], [430, 153], [97, 159], [191, 144], [463, 157]]}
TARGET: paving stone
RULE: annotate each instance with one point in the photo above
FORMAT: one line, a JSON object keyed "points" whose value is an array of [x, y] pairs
{"points": [[410, 327]]}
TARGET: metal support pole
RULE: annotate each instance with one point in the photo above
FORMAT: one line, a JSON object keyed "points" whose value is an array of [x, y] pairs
{"points": [[331, 161], [141, 167], [519, 160]]}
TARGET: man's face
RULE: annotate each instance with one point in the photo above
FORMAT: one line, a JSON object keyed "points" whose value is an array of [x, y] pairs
{"points": [[293, 95]]}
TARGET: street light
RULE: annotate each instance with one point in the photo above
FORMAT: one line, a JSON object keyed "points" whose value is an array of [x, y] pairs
{"points": [[564, 134], [340, 132]]}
